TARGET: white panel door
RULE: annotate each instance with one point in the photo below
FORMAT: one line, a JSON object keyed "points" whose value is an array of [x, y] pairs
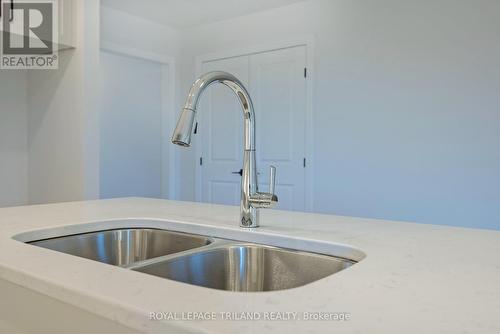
{"points": [[221, 129], [278, 89], [276, 82], [131, 132]]}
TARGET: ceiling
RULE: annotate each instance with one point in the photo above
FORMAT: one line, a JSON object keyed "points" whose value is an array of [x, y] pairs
{"points": [[182, 14]]}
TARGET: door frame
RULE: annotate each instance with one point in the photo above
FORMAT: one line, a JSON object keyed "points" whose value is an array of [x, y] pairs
{"points": [[168, 166], [308, 41]]}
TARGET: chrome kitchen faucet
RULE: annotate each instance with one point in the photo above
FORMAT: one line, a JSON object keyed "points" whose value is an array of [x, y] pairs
{"points": [[251, 198]]}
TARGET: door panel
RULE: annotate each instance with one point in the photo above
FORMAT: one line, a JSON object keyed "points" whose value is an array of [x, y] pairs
{"points": [[277, 86], [130, 127], [278, 89], [221, 129]]}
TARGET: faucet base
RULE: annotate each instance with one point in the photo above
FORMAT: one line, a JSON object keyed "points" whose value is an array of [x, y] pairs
{"points": [[249, 218]]}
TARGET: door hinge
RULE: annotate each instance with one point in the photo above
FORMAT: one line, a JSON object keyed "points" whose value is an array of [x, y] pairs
{"points": [[305, 163], [305, 72], [201, 161]]}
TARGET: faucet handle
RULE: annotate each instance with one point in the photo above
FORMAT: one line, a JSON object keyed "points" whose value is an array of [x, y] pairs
{"points": [[272, 180], [266, 200]]}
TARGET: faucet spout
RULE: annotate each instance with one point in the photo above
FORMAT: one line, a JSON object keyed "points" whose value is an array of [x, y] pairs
{"points": [[251, 199], [182, 133]]}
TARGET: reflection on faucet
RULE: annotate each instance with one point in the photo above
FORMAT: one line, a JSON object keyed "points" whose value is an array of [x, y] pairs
{"points": [[251, 198]]}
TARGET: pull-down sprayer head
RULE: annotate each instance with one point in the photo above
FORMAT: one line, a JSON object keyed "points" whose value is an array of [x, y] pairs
{"points": [[184, 129]]}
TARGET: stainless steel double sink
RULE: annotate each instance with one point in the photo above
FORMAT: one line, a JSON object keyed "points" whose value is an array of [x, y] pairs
{"points": [[200, 260]]}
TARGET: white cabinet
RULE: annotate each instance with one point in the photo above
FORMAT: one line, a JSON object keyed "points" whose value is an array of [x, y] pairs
{"points": [[65, 18], [10, 15]]}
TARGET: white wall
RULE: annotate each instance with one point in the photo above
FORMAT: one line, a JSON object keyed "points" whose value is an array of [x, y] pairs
{"points": [[56, 127], [133, 32], [13, 139], [61, 118], [406, 100]]}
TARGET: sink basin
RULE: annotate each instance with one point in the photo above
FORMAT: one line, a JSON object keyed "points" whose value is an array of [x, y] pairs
{"points": [[205, 261], [247, 267], [124, 247]]}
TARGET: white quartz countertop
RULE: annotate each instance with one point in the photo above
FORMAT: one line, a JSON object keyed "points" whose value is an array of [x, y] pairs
{"points": [[414, 279]]}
